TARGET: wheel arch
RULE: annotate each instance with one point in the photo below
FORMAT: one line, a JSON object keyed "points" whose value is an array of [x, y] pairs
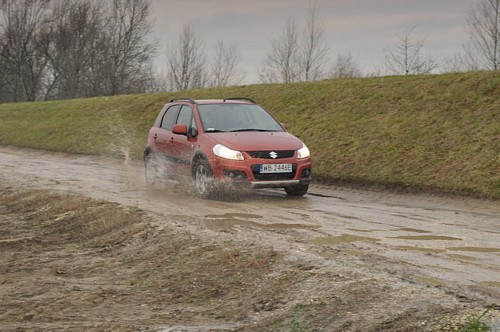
{"points": [[196, 157], [147, 152]]}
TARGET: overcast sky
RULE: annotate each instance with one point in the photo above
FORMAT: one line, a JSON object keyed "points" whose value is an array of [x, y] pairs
{"points": [[363, 28]]}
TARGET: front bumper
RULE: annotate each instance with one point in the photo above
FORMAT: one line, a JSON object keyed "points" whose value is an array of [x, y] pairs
{"points": [[247, 173], [277, 184]]}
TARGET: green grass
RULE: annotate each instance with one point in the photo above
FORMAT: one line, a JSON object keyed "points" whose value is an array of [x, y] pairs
{"points": [[475, 322], [433, 132]]}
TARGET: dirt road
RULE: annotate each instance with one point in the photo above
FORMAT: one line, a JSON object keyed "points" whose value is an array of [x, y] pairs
{"points": [[446, 249]]}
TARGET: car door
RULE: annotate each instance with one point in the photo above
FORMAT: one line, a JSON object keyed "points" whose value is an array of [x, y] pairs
{"points": [[163, 136], [183, 146]]}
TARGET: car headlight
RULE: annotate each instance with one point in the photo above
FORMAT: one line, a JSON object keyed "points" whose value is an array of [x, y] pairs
{"points": [[227, 153], [303, 152]]}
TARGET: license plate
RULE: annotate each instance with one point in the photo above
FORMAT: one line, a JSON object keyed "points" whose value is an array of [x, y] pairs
{"points": [[276, 168]]}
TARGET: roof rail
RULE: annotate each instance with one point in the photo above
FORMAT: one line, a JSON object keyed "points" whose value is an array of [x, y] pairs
{"points": [[183, 99], [242, 98]]}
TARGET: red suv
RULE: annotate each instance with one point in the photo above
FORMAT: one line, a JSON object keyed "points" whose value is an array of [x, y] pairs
{"points": [[217, 143]]}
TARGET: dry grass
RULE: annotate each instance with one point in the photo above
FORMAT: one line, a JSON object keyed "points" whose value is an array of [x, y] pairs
{"points": [[192, 271], [66, 217]]}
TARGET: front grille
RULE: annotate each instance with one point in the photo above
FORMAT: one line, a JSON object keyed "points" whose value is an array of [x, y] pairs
{"points": [[267, 154], [273, 176]]}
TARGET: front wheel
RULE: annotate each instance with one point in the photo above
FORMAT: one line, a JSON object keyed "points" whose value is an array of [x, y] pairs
{"points": [[298, 190], [203, 179]]}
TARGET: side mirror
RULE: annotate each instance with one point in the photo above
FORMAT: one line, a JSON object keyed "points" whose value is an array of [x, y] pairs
{"points": [[180, 129]]}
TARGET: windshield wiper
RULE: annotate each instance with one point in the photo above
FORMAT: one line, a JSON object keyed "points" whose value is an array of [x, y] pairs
{"points": [[250, 129], [213, 130]]}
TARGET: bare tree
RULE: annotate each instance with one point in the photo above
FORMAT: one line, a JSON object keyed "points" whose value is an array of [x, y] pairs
{"points": [[298, 56], [283, 63], [75, 28], [187, 61], [407, 58], [23, 46], [129, 52], [484, 23], [313, 50], [225, 66], [267, 73], [75, 48], [466, 60], [5, 93], [158, 81], [344, 67]]}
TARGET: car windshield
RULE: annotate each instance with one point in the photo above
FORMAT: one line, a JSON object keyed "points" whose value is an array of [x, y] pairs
{"points": [[236, 117]]}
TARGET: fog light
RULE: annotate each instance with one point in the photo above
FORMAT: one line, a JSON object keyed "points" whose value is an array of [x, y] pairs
{"points": [[306, 173], [235, 175]]}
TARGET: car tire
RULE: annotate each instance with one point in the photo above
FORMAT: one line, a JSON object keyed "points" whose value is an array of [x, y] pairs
{"points": [[298, 190], [203, 179], [151, 169]]}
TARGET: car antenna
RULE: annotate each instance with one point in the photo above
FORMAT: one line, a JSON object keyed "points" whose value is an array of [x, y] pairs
{"points": [[222, 94]]}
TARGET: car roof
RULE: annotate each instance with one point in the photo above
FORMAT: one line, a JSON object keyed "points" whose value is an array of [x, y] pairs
{"points": [[215, 101], [220, 101]]}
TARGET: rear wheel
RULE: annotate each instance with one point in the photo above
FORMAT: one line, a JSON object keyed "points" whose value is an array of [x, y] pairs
{"points": [[298, 190], [151, 169], [203, 179]]}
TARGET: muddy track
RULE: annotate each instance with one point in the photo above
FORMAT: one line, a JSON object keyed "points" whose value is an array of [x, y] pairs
{"points": [[447, 248]]}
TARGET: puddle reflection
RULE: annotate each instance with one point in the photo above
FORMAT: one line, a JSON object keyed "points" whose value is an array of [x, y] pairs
{"points": [[426, 238], [230, 221], [474, 249], [344, 238]]}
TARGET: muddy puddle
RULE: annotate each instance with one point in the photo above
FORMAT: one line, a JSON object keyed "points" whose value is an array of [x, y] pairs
{"points": [[475, 249], [426, 238], [232, 222], [345, 238]]}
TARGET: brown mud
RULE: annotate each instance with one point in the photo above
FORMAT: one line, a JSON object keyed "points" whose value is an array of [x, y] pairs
{"points": [[87, 245]]}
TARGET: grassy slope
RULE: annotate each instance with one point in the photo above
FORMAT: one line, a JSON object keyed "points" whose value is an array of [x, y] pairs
{"points": [[435, 132]]}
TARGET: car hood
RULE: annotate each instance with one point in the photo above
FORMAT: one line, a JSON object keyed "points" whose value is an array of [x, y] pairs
{"points": [[258, 141]]}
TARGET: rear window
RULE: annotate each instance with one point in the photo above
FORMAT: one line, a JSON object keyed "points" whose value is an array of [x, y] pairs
{"points": [[169, 117]]}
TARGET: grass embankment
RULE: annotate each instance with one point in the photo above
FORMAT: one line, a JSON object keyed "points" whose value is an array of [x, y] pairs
{"points": [[425, 132]]}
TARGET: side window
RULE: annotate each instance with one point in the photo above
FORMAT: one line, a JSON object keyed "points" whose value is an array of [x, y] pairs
{"points": [[193, 123], [185, 116], [169, 117]]}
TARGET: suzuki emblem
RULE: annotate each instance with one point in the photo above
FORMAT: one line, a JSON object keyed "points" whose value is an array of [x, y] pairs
{"points": [[273, 154]]}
